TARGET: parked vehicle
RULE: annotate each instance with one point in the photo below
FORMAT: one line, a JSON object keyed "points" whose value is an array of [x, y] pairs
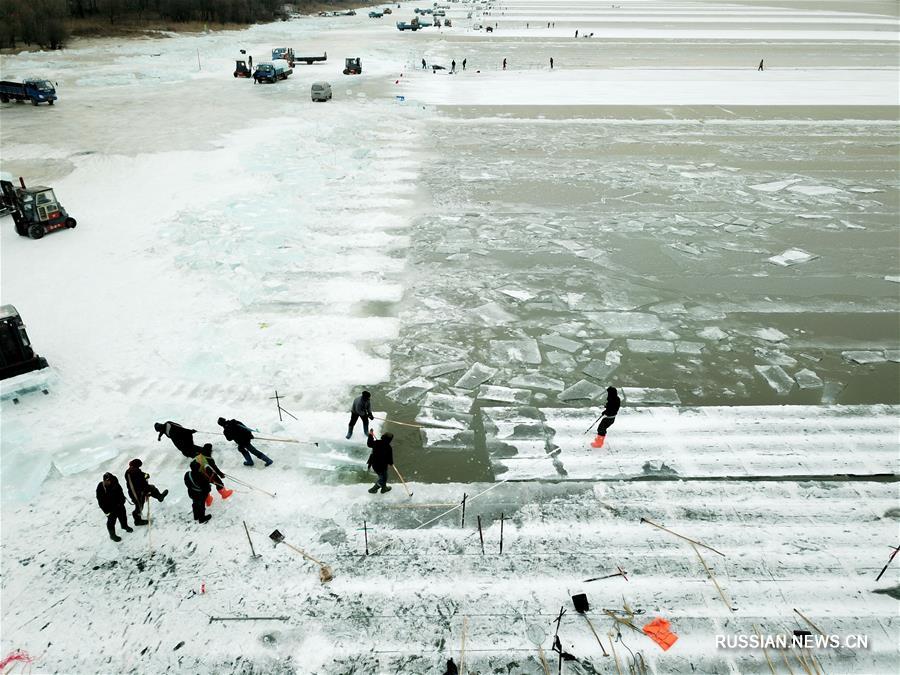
{"points": [[35, 211], [241, 69], [272, 71], [285, 53], [352, 66], [387, 10], [320, 91], [16, 353], [375, 15], [403, 25], [309, 60], [36, 91]]}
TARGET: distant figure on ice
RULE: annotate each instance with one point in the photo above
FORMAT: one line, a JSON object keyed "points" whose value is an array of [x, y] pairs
{"points": [[361, 409], [504, 64], [140, 489], [213, 472], [551, 63], [613, 403], [424, 65], [576, 32], [181, 438], [112, 502], [464, 64], [760, 65], [198, 487], [452, 669], [236, 431], [453, 66], [380, 459]]}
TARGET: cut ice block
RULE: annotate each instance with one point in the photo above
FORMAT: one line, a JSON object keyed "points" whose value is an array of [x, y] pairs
{"points": [[411, 391], [517, 294], [599, 370], [713, 333], [525, 350], [492, 313], [537, 381], [504, 394], [775, 357], [650, 346], [687, 347], [85, 455], [793, 256], [561, 342], [448, 439], [779, 380], [770, 334], [807, 379], [452, 402], [863, 356], [447, 419], [892, 355], [651, 395], [775, 186], [475, 375], [438, 369], [582, 390]]}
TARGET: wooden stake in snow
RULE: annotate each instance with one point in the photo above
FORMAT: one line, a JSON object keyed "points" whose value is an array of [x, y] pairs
{"points": [[501, 533], [462, 648], [713, 579], [247, 530], [480, 535], [884, 569], [366, 536], [462, 522], [681, 536]]}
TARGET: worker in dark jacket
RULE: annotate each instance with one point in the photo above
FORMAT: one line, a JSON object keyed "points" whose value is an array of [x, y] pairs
{"points": [[112, 502], [181, 438], [361, 409], [140, 489], [213, 472], [613, 403], [236, 431], [198, 487], [380, 459]]}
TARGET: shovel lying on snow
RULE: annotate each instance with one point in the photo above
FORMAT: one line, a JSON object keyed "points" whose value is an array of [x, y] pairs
{"points": [[325, 573]]}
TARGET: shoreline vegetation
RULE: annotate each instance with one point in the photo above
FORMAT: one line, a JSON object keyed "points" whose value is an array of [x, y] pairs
{"points": [[53, 24]]}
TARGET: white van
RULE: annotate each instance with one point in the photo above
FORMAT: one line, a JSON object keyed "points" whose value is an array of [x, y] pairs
{"points": [[321, 91]]}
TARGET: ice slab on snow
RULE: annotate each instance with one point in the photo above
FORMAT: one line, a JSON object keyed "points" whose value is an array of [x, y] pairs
{"points": [[582, 390], [777, 378], [537, 381], [475, 375], [793, 256], [504, 394], [85, 454], [412, 391], [525, 350]]}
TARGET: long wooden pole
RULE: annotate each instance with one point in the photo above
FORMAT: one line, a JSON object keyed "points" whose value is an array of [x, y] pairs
{"points": [[405, 487], [713, 579], [462, 649], [765, 652], [591, 626], [612, 646], [402, 424], [681, 536]]}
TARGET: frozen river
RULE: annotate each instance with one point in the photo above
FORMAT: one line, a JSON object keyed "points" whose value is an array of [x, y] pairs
{"points": [[486, 251]]}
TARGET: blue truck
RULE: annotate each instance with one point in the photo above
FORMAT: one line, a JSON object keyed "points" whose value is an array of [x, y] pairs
{"points": [[36, 91]]}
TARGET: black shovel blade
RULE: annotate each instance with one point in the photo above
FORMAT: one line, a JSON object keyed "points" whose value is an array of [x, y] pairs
{"points": [[277, 537]]}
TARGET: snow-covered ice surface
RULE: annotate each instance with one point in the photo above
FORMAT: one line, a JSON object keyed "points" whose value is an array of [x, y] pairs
{"points": [[486, 255]]}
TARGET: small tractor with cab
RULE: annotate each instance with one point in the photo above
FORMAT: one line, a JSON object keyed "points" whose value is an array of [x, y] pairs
{"points": [[241, 69], [35, 210], [352, 66]]}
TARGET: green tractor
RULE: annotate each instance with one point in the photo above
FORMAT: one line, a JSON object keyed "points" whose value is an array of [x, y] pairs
{"points": [[352, 66], [35, 210]]}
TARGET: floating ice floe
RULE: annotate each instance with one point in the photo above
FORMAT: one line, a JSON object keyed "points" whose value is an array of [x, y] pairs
{"points": [[651, 395], [504, 394], [892, 355], [475, 375], [561, 342], [793, 256], [770, 334], [492, 313], [452, 402], [775, 186], [807, 379], [777, 378], [438, 369], [713, 333], [448, 419], [581, 390], [650, 346], [537, 381], [775, 357], [687, 347], [525, 350], [895, 279], [448, 439], [625, 323], [517, 294], [686, 248], [863, 356], [813, 190], [411, 391], [599, 370]]}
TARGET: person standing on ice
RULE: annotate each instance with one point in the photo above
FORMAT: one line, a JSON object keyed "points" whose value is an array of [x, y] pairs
{"points": [[453, 66], [236, 431], [381, 457], [424, 65], [213, 472], [181, 438], [551, 63], [464, 64], [760, 65], [504, 64], [613, 403], [361, 409], [112, 502], [198, 487], [140, 489]]}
